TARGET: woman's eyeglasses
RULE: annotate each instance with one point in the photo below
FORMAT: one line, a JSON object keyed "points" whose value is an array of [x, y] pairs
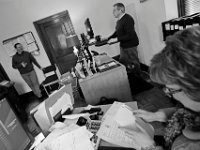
{"points": [[170, 92]]}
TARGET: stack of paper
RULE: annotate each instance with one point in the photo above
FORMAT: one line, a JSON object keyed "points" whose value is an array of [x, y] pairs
{"points": [[72, 138], [125, 118], [113, 109], [78, 139], [110, 132], [120, 116]]}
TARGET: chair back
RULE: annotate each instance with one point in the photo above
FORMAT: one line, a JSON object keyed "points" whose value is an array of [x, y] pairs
{"points": [[49, 69]]}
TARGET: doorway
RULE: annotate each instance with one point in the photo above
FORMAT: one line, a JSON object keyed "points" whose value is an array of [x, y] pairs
{"points": [[53, 32]]}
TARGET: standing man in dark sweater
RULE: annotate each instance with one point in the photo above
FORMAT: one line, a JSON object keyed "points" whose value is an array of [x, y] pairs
{"points": [[126, 35], [23, 61]]}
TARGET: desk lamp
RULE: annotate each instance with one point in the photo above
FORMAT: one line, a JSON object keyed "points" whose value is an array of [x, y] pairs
{"points": [[73, 41]]}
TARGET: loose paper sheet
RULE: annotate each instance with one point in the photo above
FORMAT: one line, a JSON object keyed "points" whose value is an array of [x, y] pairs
{"points": [[78, 139], [119, 115], [75, 116], [124, 117], [110, 132], [55, 134]]}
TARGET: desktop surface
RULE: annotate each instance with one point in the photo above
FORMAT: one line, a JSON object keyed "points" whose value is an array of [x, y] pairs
{"points": [[103, 144]]}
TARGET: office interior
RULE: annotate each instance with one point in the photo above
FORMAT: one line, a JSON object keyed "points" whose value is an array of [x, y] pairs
{"points": [[22, 17]]}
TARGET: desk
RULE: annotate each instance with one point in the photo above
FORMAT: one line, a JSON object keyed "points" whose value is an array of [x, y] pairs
{"points": [[112, 83], [104, 108]]}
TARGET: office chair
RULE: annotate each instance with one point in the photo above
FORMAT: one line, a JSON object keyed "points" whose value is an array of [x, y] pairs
{"points": [[50, 77]]}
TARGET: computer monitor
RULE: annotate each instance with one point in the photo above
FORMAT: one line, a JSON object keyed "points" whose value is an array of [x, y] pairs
{"points": [[89, 30], [12, 134]]}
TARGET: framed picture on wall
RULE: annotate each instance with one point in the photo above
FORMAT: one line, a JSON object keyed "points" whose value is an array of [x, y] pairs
{"points": [[27, 40]]}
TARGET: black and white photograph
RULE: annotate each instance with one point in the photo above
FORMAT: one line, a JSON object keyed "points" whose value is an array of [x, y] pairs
{"points": [[100, 75]]}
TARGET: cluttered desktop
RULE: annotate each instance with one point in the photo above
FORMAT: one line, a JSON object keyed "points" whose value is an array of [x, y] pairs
{"points": [[91, 127]]}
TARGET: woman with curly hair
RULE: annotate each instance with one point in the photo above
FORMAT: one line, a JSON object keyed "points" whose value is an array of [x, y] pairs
{"points": [[177, 67]]}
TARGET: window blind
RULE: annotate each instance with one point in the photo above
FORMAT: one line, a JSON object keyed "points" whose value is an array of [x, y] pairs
{"points": [[192, 7], [188, 7]]}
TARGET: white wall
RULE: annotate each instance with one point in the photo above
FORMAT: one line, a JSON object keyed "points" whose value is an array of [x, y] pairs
{"points": [[171, 9], [17, 17], [150, 15]]}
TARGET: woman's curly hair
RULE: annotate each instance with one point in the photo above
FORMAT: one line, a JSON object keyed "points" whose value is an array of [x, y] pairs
{"points": [[179, 62]]}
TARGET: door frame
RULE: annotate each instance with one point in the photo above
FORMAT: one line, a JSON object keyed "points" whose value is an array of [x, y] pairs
{"points": [[39, 26], [3, 74]]}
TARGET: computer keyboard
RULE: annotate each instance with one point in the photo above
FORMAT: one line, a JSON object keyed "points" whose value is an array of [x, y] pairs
{"points": [[113, 132]]}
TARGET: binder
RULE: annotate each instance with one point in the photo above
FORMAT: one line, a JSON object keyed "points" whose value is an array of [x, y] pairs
{"points": [[174, 25]]}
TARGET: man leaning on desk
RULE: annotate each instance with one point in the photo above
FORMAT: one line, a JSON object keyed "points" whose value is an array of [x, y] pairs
{"points": [[126, 35]]}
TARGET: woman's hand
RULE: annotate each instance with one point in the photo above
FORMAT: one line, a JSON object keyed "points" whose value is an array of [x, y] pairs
{"points": [[146, 115]]}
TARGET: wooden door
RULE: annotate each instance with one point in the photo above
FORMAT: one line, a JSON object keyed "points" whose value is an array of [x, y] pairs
{"points": [[53, 31], [3, 75]]}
